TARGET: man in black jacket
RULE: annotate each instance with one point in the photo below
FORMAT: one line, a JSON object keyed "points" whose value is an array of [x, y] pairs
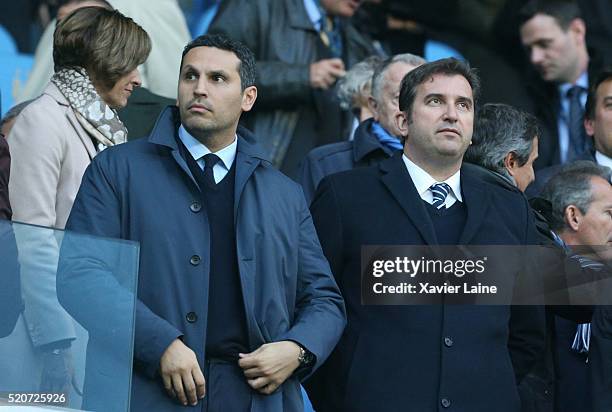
{"points": [[581, 199], [375, 139], [554, 35], [598, 125], [421, 357], [504, 147], [302, 47]]}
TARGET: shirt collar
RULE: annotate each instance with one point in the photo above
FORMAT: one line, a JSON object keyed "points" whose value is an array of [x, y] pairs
{"points": [[583, 81], [198, 150], [602, 159], [423, 181], [314, 13]]}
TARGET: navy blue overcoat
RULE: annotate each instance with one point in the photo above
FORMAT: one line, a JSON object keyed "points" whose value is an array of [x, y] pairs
{"points": [[143, 190]]}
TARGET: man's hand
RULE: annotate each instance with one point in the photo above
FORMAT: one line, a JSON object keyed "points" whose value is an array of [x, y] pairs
{"points": [[57, 371], [270, 365], [182, 376], [324, 73]]}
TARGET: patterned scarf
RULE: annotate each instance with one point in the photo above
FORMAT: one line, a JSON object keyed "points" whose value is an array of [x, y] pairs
{"points": [[96, 117]]}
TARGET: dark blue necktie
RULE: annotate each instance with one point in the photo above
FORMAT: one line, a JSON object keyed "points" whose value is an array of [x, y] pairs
{"points": [[210, 160], [577, 135], [439, 191]]}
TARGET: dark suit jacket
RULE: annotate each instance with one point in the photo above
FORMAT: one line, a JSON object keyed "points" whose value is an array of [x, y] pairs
{"points": [[397, 358], [364, 150], [142, 111], [543, 176], [5, 171], [601, 359]]}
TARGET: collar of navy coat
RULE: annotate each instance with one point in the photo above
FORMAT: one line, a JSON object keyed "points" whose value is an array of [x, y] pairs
{"points": [[395, 176], [248, 154], [365, 142]]}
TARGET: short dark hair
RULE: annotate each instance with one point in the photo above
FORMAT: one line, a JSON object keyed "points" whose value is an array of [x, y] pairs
{"points": [[501, 129], [423, 73], [247, 67], [572, 186], [591, 103], [105, 42], [563, 11]]}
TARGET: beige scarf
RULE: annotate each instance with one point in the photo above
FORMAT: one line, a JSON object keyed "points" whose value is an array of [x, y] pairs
{"points": [[97, 118]]}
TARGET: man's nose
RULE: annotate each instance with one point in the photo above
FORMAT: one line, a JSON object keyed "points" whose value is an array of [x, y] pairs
{"points": [[200, 88], [137, 80], [451, 112], [537, 55]]}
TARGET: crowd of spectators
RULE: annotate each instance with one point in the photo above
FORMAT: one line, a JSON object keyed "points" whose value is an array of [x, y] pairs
{"points": [[335, 89]]}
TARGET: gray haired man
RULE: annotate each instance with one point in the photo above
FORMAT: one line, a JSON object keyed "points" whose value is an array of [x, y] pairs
{"points": [[581, 214], [375, 139], [505, 141]]}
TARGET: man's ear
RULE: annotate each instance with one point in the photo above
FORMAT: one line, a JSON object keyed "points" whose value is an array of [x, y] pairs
{"points": [[373, 106], [578, 28], [573, 217], [401, 122], [249, 95], [511, 163], [589, 126]]}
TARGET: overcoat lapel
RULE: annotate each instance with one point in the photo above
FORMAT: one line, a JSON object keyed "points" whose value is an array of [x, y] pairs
{"points": [[397, 179], [476, 201]]}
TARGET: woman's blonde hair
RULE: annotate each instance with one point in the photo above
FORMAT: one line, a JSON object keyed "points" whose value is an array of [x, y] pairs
{"points": [[104, 42]]}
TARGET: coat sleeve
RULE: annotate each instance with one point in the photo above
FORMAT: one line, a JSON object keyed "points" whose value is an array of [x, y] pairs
{"points": [[309, 177], [320, 315], [86, 276], [600, 359], [37, 146], [5, 171], [279, 83], [328, 221], [527, 328]]}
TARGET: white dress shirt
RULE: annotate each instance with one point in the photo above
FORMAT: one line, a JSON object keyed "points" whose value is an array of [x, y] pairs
{"points": [[602, 159], [198, 150], [423, 181]]}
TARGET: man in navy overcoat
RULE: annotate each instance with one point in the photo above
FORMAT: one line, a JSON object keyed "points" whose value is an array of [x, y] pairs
{"points": [[425, 357], [236, 300]]}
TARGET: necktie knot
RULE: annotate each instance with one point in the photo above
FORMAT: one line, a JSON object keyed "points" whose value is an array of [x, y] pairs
{"points": [[440, 191], [574, 92], [210, 160]]}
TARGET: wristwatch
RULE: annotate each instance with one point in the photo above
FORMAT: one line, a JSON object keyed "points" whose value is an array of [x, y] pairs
{"points": [[306, 358]]}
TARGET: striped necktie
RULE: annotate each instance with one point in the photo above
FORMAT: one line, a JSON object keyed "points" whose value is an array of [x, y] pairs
{"points": [[439, 191], [577, 135], [582, 339]]}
